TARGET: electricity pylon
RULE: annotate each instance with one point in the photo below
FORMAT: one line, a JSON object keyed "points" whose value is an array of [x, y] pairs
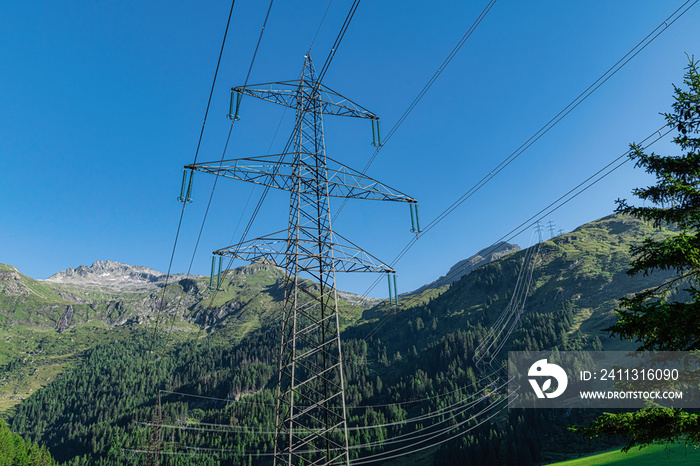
{"points": [[311, 421], [538, 229]]}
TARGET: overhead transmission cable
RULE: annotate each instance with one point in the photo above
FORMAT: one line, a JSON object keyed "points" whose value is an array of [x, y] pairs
{"points": [[510, 317], [196, 154], [425, 89], [410, 449], [449, 415], [422, 417], [538, 216], [679, 12], [641, 45], [199, 236], [393, 453], [403, 438], [362, 406], [549, 209], [318, 29]]}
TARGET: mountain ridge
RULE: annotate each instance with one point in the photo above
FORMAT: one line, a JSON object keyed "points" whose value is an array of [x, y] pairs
{"points": [[116, 275], [424, 347], [466, 266]]}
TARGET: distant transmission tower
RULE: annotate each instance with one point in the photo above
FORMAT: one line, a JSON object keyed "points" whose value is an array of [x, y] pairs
{"points": [[550, 227], [311, 422], [538, 229]]}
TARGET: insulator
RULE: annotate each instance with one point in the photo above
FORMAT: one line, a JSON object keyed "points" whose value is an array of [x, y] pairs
{"points": [[189, 188], [233, 111], [388, 278], [418, 230], [211, 277], [218, 277], [413, 222], [374, 134], [396, 292], [185, 195], [181, 197]]}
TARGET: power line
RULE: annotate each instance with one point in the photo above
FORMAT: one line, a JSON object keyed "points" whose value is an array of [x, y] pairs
{"points": [[439, 412], [425, 89], [403, 438], [362, 406], [196, 154], [189, 269], [313, 41], [392, 454], [529, 222], [549, 125], [565, 111]]}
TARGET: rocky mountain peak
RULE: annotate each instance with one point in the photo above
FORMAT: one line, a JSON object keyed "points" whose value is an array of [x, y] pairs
{"points": [[114, 275]]}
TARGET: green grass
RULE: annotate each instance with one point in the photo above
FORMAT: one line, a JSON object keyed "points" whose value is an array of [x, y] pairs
{"points": [[7, 268], [654, 455], [42, 354]]}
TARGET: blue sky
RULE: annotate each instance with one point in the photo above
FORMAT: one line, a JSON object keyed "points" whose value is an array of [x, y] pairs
{"points": [[102, 104]]}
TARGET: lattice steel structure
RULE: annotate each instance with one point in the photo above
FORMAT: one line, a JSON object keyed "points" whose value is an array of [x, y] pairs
{"points": [[311, 416]]}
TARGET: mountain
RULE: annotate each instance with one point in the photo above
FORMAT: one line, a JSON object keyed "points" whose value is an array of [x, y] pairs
{"points": [[47, 325], [576, 283], [411, 362], [466, 266], [116, 276], [118, 294]]}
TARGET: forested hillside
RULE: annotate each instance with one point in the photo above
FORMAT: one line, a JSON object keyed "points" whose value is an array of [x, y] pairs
{"points": [[46, 325], [14, 451], [207, 397]]}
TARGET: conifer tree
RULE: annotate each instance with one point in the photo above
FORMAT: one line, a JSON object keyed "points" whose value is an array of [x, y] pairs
{"points": [[657, 318]]}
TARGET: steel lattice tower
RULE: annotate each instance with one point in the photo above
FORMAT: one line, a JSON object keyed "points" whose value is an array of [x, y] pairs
{"points": [[311, 417]]}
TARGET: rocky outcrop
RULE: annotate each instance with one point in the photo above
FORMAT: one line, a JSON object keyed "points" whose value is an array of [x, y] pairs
{"points": [[11, 283], [116, 276], [66, 319], [357, 300]]}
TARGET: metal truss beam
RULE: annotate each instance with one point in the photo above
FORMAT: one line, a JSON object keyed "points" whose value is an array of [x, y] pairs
{"points": [[275, 249], [289, 94], [273, 171]]}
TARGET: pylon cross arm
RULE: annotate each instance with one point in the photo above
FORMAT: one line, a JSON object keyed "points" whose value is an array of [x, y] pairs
{"points": [[320, 98], [273, 171], [345, 256]]}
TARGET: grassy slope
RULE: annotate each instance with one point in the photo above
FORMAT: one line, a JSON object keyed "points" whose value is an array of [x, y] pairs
{"points": [[655, 455], [33, 353], [585, 267]]}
